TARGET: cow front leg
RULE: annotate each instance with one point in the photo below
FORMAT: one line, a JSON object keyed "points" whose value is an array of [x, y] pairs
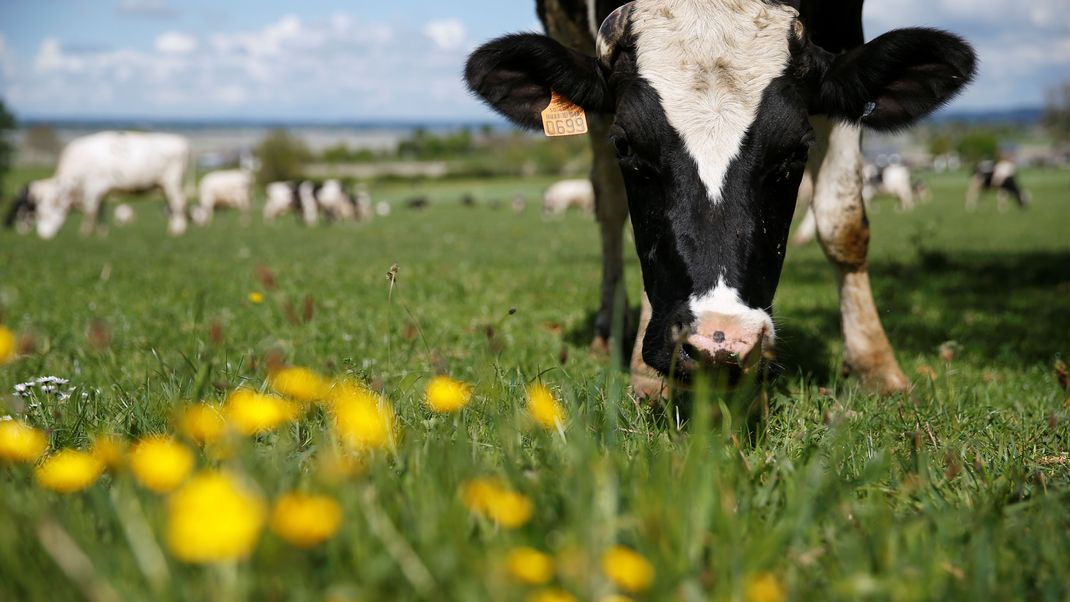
{"points": [[611, 210], [646, 382], [91, 203], [843, 230], [176, 205]]}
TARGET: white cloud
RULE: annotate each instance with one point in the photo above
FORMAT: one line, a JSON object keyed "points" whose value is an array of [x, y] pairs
{"points": [[50, 56], [447, 34], [340, 66], [174, 42]]}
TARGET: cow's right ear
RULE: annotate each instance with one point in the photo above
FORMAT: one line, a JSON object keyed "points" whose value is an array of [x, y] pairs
{"points": [[515, 74]]}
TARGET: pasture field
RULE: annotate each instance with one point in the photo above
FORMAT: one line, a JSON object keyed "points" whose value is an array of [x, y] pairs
{"points": [[958, 491]]}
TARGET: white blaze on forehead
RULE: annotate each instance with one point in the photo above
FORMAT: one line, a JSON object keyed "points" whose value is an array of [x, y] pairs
{"points": [[711, 61], [724, 300]]}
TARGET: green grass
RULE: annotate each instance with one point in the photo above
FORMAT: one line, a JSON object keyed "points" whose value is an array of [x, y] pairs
{"points": [[957, 491]]}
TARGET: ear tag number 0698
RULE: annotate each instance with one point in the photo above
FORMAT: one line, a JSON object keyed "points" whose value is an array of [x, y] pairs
{"points": [[562, 118]]}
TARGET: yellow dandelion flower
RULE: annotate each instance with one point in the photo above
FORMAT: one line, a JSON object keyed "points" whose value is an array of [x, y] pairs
{"points": [[627, 569], [256, 298], [362, 419], [615, 598], [68, 471], [301, 384], [306, 520], [213, 518], [21, 443], [250, 412], [530, 566], [544, 408], [489, 498], [445, 395], [109, 451], [202, 423], [551, 595], [765, 588], [8, 345], [160, 464]]}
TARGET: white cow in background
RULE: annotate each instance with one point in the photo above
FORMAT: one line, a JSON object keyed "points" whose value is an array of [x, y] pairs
{"points": [[566, 194], [92, 167], [894, 180], [231, 189]]}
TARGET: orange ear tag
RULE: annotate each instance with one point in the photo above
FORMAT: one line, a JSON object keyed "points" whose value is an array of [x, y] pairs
{"points": [[562, 118]]}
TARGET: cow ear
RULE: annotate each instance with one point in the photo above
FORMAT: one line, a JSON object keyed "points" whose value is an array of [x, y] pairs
{"points": [[515, 74], [896, 79]]}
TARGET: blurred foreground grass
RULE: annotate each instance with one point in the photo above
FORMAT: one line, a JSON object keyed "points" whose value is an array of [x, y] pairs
{"points": [[958, 491]]}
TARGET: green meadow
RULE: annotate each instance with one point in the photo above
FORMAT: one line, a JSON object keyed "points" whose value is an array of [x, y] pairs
{"points": [[808, 485]]}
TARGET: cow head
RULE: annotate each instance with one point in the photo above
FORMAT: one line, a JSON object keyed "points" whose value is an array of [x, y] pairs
{"points": [[712, 100], [52, 205], [22, 210]]}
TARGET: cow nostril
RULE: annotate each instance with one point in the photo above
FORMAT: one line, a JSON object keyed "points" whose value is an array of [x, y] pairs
{"points": [[718, 337]]}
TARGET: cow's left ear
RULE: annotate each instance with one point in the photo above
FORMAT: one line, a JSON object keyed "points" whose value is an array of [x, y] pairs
{"points": [[515, 75], [896, 79]]}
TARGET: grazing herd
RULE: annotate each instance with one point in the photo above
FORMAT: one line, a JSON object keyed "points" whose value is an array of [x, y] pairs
{"points": [[100, 165]]}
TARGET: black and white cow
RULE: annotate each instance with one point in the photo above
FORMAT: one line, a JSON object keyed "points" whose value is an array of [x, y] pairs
{"points": [[1002, 177], [309, 199], [713, 109]]}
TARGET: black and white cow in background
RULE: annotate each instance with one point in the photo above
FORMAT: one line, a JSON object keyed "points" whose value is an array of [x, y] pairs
{"points": [[712, 109], [310, 199], [1001, 176]]}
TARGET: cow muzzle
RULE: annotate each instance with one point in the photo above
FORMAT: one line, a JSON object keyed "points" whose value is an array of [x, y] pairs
{"points": [[724, 345]]}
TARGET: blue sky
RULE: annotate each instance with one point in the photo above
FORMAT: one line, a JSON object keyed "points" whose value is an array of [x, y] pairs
{"points": [[401, 59]]}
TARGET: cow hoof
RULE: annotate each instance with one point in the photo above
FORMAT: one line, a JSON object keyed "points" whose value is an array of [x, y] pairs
{"points": [[649, 387], [885, 381]]}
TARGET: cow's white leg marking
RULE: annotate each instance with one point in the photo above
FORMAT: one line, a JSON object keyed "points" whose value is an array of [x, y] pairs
{"points": [[172, 184], [92, 199], [844, 234], [645, 381]]}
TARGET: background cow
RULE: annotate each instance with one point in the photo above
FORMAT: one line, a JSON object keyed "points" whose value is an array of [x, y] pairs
{"points": [[92, 167], [23, 210], [712, 132], [1002, 177], [231, 189], [567, 194]]}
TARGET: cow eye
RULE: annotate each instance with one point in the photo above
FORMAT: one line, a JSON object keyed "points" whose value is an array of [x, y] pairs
{"points": [[621, 145]]}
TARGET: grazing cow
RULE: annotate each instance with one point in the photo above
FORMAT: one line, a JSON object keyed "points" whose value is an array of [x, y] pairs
{"points": [[23, 210], [1001, 177], [308, 199], [566, 194], [894, 180], [92, 167], [232, 189], [713, 109], [282, 198]]}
